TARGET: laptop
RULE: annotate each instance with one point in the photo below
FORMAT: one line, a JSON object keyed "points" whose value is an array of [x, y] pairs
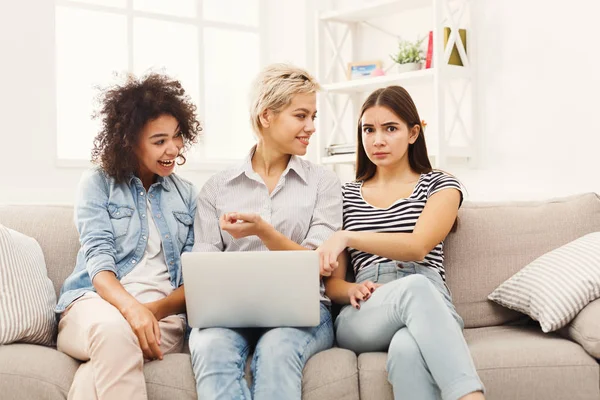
{"points": [[251, 289]]}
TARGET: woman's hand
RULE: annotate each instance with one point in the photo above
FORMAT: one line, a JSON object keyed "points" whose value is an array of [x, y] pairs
{"points": [[241, 225], [145, 326], [329, 252], [361, 292]]}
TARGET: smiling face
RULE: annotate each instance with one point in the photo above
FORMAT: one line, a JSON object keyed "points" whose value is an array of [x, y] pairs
{"points": [[158, 146], [386, 137], [289, 131]]}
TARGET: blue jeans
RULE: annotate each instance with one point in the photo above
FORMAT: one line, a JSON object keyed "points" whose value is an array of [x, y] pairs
{"points": [[413, 318], [219, 359]]}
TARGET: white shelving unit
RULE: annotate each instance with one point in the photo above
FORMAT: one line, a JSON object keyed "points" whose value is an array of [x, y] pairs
{"points": [[373, 10], [339, 159], [451, 86], [370, 84]]}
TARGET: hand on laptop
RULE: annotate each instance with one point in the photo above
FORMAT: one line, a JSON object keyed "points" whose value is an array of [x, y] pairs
{"points": [[361, 292], [329, 252], [240, 225]]}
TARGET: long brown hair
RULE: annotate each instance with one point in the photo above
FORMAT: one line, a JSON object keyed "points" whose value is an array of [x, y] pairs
{"points": [[397, 100]]}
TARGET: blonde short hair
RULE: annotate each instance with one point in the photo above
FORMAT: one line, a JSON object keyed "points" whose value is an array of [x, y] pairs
{"points": [[274, 88]]}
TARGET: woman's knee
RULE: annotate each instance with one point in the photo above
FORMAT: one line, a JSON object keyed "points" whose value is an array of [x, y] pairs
{"points": [[215, 344], [280, 343], [403, 351], [278, 352], [115, 330]]}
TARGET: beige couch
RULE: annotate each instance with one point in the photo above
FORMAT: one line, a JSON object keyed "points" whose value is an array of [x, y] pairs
{"points": [[493, 241]]}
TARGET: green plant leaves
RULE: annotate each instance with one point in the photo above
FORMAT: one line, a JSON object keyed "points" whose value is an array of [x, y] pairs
{"points": [[408, 52]]}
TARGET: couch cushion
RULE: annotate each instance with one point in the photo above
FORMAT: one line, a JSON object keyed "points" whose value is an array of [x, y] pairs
{"points": [[372, 377], [522, 363], [54, 230], [170, 378], [38, 372], [516, 363], [495, 240], [30, 371], [331, 374]]}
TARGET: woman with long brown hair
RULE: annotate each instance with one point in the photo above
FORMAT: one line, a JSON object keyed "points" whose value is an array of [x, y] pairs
{"points": [[396, 216]]}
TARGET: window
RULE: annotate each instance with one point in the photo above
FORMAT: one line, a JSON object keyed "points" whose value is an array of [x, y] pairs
{"points": [[212, 46]]}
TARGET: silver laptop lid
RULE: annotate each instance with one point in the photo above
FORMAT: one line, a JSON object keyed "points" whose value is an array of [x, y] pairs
{"points": [[252, 289]]}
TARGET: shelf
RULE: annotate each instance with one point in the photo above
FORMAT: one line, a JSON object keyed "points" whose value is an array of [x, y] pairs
{"points": [[339, 159], [452, 152], [374, 10], [370, 84]]}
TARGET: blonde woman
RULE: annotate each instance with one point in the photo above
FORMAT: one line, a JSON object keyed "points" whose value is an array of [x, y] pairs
{"points": [[285, 203]]}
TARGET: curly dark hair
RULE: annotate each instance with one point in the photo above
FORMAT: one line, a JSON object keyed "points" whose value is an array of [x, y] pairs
{"points": [[125, 109]]}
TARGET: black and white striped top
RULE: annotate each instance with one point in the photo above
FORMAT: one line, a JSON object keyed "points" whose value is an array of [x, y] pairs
{"points": [[401, 216]]}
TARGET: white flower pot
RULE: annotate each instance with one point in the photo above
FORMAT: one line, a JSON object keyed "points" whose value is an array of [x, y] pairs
{"points": [[409, 67]]}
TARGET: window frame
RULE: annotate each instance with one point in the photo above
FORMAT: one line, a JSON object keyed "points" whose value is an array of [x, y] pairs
{"points": [[212, 165]]}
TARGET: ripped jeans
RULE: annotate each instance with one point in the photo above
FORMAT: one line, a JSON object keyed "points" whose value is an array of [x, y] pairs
{"points": [[219, 359]]}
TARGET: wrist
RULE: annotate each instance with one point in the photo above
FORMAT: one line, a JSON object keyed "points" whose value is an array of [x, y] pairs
{"points": [[156, 307], [264, 230], [351, 289], [344, 237], [126, 307]]}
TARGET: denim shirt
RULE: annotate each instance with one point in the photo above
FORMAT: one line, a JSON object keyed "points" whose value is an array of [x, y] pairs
{"points": [[113, 227]]}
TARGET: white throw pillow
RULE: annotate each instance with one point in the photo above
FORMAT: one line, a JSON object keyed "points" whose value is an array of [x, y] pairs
{"points": [[27, 298], [585, 329], [556, 286]]}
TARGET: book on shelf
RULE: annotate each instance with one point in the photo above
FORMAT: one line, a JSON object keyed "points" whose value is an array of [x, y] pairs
{"points": [[455, 58], [455, 55], [347, 148], [429, 57]]}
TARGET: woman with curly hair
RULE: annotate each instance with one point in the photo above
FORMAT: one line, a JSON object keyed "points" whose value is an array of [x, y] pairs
{"points": [[135, 217]]}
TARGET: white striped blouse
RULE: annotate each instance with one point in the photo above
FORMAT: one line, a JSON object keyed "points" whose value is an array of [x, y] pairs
{"points": [[305, 206]]}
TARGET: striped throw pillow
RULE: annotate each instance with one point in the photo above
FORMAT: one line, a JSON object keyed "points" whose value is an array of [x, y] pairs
{"points": [[556, 286], [27, 297]]}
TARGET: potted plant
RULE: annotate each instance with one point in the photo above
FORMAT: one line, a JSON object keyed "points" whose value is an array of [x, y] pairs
{"points": [[409, 56]]}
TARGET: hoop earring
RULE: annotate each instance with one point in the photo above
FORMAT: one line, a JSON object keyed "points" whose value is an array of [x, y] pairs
{"points": [[182, 158]]}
